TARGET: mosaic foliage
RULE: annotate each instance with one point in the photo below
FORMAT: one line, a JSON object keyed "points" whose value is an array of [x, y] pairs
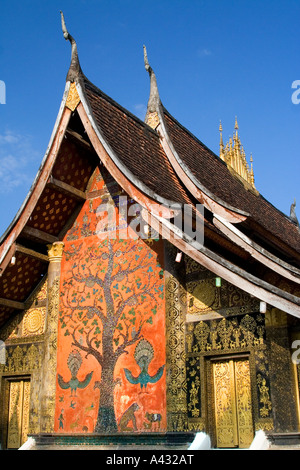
{"points": [[111, 344]]}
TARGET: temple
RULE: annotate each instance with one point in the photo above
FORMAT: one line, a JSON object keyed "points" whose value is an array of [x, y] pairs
{"points": [[148, 291]]}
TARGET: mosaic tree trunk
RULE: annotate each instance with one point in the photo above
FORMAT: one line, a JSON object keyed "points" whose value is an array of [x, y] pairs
{"points": [[110, 294]]}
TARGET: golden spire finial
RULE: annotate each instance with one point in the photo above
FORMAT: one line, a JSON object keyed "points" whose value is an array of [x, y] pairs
{"points": [[233, 154], [236, 126]]}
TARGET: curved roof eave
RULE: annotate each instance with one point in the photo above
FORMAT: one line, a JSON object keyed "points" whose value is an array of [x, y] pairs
{"points": [[256, 251], [62, 106], [239, 214], [120, 165], [256, 287], [32, 189]]}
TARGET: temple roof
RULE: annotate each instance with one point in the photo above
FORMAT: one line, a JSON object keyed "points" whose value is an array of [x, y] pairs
{"points": [[215, 176], [137, 146], [157, 162]]}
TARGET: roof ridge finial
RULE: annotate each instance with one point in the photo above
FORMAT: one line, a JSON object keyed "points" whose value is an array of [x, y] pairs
{"points": [[236, 126], [233, 153], [221, 141], [75, 68], [293, 216], [154, 99]]}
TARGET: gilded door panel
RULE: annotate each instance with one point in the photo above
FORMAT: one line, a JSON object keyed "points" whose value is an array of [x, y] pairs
{"points": [[224, 404], [233, 409], [243, 403], [25, 414], [18, 413]]}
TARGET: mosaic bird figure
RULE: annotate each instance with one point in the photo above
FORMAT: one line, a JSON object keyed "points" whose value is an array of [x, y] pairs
{"points": [[74, 363], [143, 355]]}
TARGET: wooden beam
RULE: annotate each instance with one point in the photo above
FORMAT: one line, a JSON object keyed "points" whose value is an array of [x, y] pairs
{"points": [[35, 193], [32, 253], [240, 278], [39, 235], [70, 222], [66, 188], [79, 138], [12, 304]]}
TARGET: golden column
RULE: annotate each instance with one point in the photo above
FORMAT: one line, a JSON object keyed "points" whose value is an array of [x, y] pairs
{"points": [[48, 376]]}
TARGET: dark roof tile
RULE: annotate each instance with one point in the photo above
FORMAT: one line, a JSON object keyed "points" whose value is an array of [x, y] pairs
{"points": [[214, 175]]}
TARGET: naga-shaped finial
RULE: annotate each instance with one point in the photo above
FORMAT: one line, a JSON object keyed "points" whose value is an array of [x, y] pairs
{"points": [[293, 216], [154, 99], [146, 62], [75, 68]]}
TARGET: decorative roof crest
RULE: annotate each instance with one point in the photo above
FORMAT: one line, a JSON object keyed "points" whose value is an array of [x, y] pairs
{"points": [[293, 216], [234, 156]]}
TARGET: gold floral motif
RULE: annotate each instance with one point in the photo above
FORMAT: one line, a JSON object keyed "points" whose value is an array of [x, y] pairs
{"points": [[176, 376], [34, 321], [203, 296], [22, 359], [48, 399], [73, 98], [194, 401], [153, 120], [201, 333], [264, 397]]}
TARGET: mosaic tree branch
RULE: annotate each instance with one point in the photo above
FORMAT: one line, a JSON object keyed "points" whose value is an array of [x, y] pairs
{"points": [[108, 301]]}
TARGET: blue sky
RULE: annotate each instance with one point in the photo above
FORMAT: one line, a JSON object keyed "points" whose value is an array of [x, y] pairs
{"points": [[214, 60]]}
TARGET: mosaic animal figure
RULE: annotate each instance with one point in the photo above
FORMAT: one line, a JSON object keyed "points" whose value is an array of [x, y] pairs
{"points": [[74, 363], [128, 416], [152, 418], [143, 355]]}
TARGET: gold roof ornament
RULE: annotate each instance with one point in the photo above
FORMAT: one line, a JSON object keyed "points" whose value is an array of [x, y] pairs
{"points": [[73, 98], [233, 154]]}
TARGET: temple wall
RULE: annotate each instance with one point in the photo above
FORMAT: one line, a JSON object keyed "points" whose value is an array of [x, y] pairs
{"points": [[23, 338], [111, 326], [121, 338], [214, 325]]}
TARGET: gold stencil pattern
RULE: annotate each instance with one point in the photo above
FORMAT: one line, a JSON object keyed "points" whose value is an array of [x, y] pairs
{"points": [[153, 120], [28, 325], [232, 391], [49, 364], [205, 299], [73, 98], [34, 321], [176, 374]]}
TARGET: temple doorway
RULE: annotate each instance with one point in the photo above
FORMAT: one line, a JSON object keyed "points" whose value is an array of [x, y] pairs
{"points": [[18, 412], [233, 404]]}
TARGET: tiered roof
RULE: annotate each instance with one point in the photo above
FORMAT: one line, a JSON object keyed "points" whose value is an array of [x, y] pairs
{"points": [[158, 163]]}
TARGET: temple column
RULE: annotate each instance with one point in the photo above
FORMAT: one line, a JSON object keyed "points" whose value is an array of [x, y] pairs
{"points": [[49, 360]]}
